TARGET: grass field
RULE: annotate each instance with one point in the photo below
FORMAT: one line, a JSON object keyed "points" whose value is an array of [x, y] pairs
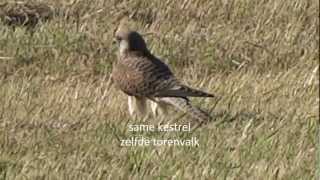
{"points": [[62, 118]]}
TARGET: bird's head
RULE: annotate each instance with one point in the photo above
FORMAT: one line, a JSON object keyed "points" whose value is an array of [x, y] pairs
{"points": [[128, 40]]}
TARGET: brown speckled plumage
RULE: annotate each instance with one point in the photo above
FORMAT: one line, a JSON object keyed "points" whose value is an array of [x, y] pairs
{"points": [[140, 74]]}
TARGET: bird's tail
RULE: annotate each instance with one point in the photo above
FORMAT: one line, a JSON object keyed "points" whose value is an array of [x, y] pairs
{"points": [[182, 91], [184, 105]]}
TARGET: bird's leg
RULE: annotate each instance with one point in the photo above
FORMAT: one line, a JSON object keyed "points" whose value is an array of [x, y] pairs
{"points": [[137, 105], [158, 107], [141, 104], [154, 107], [131, 105]]}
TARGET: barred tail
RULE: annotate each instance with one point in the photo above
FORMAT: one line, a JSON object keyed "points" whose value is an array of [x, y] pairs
{"points": [[182, 91], [184, 105]]}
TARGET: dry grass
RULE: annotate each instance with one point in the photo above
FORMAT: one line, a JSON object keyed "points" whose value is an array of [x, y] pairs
{"points": [[60, 118], [24, 13]]}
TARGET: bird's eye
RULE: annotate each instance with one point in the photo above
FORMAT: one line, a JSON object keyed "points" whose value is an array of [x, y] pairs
{"points": [[118, 38]]}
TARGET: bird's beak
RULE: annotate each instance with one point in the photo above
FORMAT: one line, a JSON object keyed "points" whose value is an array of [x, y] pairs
{"points": [[114, 41]]}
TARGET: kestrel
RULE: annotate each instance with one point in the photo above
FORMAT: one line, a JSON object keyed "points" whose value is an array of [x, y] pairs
{"points": [[144, 77]]}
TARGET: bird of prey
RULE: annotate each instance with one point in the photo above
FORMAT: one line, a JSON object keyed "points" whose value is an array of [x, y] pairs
{"points": [[144, 77]]}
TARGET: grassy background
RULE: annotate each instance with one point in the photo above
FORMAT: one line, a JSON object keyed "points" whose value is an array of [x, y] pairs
{"points": [[60, 118]]}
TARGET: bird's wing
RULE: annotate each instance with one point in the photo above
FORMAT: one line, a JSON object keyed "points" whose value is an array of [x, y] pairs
{"points": [[142, 75]]}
